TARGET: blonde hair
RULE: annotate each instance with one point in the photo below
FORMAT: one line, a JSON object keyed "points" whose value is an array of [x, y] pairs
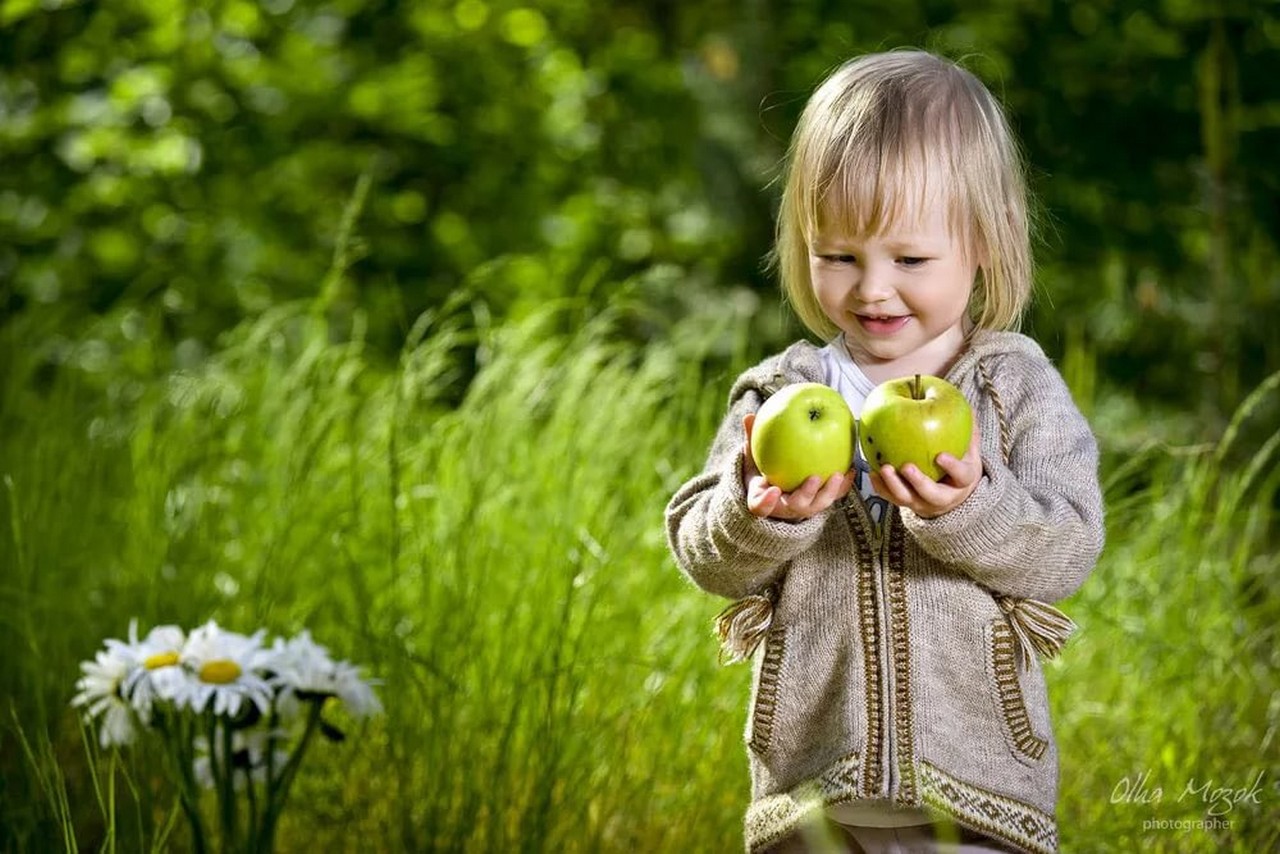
{"points": [[874, 141]]}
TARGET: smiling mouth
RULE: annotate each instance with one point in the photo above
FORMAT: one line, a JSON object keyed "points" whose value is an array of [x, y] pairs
{"points": [[880, 324]]}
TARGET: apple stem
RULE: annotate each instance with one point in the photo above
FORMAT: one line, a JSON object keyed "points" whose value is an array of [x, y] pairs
{"points": [[917, 389]]}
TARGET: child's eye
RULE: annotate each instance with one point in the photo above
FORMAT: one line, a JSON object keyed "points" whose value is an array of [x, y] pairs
{"points": [[840, 259], [911, 261]]}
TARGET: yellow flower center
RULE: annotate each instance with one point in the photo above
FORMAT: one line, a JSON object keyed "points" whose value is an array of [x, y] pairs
{"points": [[220, 671], [160, 659]]}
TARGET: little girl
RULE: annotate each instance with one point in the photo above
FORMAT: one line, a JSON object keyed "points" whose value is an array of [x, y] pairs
{"points": [[897, 700]]}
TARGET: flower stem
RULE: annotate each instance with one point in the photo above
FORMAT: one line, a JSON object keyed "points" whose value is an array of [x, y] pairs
{"points": [[229, 787], [278, 789], [178, 753], [251, 825]]}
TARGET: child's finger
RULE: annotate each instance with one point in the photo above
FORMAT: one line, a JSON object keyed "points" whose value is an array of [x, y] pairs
{"points": [[805, 492], [762, 499], [893, 487], [749, 463], [959, 472], [832, 491], [925, 488], [967, 469], [877, 483], [838, 485]]}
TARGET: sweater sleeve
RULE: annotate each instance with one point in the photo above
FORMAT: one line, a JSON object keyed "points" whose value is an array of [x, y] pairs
{"points": [[1033, 528], [717, 542]]}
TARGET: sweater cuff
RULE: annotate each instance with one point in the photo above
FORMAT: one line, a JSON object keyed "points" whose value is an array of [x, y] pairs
{"points": [[975, 528], [779, 539]]}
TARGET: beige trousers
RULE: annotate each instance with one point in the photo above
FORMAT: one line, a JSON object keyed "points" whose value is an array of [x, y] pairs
{"points": [[836, 838]]}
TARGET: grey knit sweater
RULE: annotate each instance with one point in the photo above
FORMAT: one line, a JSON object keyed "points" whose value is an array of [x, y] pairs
{"points": [[891, 671]]}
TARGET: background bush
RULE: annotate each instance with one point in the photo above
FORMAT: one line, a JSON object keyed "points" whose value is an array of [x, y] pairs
{"points": [[196, 157]]}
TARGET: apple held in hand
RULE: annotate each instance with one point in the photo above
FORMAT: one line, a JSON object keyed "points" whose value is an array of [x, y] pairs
{"points": [[912, 420], [802, 430]]}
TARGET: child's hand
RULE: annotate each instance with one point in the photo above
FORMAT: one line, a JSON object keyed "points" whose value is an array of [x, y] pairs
{"points": [[910, 488], [806, 500]]}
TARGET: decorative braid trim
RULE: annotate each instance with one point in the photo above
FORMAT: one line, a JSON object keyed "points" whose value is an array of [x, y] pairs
{"points": [[775, 648], [900, 629], [998, 816], [869, 626], [1005, 449], [1004, 667], [773, 817]]}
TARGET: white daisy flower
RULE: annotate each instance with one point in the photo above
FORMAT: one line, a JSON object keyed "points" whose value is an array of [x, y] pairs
{"points": [[225, 666], [159, 673], [304, 670], [101, 694], [355, 692]]}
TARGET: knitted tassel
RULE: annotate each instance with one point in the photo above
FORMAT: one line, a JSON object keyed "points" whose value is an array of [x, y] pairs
{"points": [[1039, 627], [742, 626]]}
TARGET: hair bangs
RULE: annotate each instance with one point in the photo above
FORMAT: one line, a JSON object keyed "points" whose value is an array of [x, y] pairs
{"points": [[882, 176]]}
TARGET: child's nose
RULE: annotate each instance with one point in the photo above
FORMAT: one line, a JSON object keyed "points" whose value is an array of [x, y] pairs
{"points": [[873, 284]]}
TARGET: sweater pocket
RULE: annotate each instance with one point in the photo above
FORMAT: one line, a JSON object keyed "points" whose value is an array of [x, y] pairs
{"points": [[1004, 672], [764, 706]]}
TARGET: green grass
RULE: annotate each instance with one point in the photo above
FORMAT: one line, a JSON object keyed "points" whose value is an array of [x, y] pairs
{"points": [[1171, 685], [498, 560]]}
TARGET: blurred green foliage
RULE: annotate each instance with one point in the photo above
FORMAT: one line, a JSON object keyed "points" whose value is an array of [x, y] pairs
{"points": [[170, 169], [191, 161]]}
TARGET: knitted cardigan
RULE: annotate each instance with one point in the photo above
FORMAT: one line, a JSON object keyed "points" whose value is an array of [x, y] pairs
{"points": [[895, 666]]}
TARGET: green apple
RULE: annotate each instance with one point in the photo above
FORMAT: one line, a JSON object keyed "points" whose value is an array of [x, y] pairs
{"points": [[912, 420], [802, 430]]}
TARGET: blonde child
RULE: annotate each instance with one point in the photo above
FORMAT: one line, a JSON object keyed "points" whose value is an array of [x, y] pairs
{"points": [[895, 623]]}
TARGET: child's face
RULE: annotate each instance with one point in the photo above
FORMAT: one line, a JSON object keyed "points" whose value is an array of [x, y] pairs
{"points": [[900, 297]]}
